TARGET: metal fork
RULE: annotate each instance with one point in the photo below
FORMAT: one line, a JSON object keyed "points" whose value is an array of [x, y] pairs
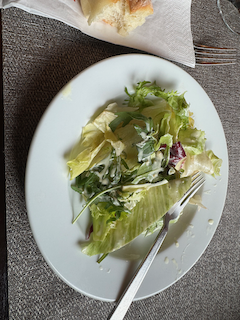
{"points": [[206, 55], [132, 288]]}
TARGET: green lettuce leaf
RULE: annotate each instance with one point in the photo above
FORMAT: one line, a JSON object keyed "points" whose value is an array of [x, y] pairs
{"points": [[156, 202], [192, 140], [96, 143], [125, 117], [176, 101], [217, 163], [206, 162], [167, 140], [101, 214]]}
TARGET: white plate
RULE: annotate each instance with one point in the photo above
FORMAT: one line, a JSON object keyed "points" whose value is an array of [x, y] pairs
{"points": [[51, 203]]}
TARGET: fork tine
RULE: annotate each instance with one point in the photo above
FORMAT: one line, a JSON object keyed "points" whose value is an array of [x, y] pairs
{"points": [[210, 63], [202, 47], [197, 181], [206, 55], [196, 175]]}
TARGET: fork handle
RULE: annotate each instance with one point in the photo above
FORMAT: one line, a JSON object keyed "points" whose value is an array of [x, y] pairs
{"points": [[133, 286]]}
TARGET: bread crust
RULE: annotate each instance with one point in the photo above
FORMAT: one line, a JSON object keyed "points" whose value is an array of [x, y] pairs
{"points": [[135, 5]]}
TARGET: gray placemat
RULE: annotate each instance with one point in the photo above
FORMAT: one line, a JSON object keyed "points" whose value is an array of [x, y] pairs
{"points": [[39, 57]]}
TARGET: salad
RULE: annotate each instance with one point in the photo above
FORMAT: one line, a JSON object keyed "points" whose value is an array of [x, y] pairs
{"points": [[133, 162]]}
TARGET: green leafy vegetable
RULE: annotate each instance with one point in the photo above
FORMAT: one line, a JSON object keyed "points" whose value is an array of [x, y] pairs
{"points": [[192, 140], [156, 202], [126, 117], [133, 163]]}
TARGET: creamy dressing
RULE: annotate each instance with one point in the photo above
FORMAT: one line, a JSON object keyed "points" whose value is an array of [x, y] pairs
{"points": [[67, 91], [184, 252], [166, 260], [190, 233], [130, 204], [211, 222], [207, 192], [101, 174], [176, 265], [140, 154], [171, 171], [144, 186], [176, 244]]}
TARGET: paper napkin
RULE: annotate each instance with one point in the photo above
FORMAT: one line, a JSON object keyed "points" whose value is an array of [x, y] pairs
{"points": [[166, 33]]}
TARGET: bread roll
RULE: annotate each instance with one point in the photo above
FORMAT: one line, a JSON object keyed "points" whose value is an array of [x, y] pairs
{"points": [[125, 15]]}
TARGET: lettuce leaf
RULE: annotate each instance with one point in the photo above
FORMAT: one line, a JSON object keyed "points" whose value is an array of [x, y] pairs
{"points": [[206, 162], [156, 202], [176, 101], [96, 143], [192, 140], [217, 163]]}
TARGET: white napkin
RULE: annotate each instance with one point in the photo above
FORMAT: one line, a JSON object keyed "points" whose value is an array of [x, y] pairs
{"points": [[166, 33]]}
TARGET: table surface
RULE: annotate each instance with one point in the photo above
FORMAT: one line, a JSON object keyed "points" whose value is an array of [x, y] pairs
{"points": [[40, 56]]}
